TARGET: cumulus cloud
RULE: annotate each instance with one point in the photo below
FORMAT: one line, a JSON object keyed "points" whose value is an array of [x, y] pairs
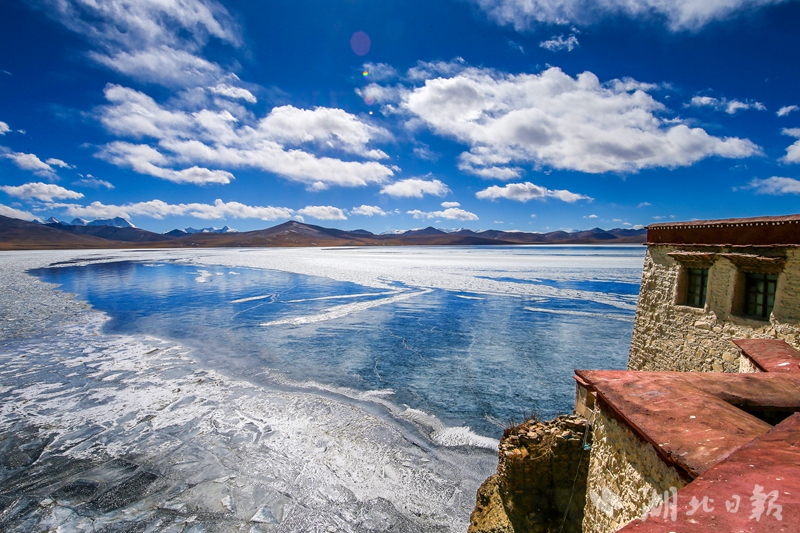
{"points": [[46, 192], [678, 15], [147, 160], [4, 129], [323, 212], [775, 186], [215, 137], [159, 209], [452, 213], [782, 112], [723, 104], [92, 182], [451, 204], [555, 120], [524, 192], [53, 162], [191, 140], [15, 213], [33, 163], [793, 152], [230, 91], [644, 204], [368, 211], [558, 42], [415, 188]]}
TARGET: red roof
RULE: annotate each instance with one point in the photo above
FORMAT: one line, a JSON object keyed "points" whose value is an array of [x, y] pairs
{"points": [[756, 489], [770, 355], [694, 420]]}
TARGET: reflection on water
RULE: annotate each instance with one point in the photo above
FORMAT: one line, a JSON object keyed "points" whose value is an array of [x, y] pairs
{"points": [[470, 359]]}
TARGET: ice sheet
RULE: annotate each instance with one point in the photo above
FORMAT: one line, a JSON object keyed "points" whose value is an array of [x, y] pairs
{"points": [[109, 430]]}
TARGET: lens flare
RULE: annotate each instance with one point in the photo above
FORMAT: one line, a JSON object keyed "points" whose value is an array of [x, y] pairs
{"points": [[360, 43], [365, 73]]}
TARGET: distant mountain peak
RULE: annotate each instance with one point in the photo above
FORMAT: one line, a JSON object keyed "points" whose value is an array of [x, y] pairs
{"points": [[116, 222]]}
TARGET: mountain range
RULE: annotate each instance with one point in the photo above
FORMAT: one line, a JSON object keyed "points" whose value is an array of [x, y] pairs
{"points": [[18, 234]]}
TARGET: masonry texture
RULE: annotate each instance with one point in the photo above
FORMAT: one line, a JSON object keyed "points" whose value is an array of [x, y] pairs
{"points": [[540, 485], [626, 475], [671, 336]]}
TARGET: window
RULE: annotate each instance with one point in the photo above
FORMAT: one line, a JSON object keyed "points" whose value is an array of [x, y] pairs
{"points": [[697, 283], [759, 294]]}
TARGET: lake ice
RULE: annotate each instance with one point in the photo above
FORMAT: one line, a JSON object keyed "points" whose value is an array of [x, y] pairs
{"points": [[287, 389]]}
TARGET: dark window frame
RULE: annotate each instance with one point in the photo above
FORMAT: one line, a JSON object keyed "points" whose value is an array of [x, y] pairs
{"points": [[696, 292], [760, 290]]}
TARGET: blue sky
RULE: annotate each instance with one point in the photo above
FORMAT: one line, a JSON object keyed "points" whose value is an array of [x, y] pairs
{"points": [[531, 115]]}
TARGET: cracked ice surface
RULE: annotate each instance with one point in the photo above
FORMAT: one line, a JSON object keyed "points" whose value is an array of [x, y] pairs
{"points": [[119, 433]]}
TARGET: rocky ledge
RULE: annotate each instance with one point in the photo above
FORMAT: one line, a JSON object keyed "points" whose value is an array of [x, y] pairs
{"points": [[540, 484]]}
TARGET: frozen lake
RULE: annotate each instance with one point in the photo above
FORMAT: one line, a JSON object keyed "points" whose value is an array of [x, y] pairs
{"points": [[288, 389]]}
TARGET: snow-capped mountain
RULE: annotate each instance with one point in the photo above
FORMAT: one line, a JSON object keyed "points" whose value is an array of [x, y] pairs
{"points": [[191, 231], [117, 222]]}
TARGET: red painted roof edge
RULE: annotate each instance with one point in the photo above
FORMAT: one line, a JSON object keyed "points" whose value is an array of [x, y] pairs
{"points": [[727, 222]]}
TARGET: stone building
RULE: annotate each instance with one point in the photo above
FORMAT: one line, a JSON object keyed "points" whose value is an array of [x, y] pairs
{"points": [[702, 433], [706, 283]]}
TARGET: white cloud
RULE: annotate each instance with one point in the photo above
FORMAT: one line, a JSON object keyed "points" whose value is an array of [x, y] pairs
{"points": [[323, 212], [4, 129], [775, 186], [793, 152], [162, 42], [31, 162], [234, 92], [415, 188], [679, 15], [215, 137], [452, 213], [555, 120], [53, 162], [591, 216], [156, 41], [524, 192], [558, 43], [782, 112], [15, 213], [424, 152], [368, 211], [451, 204], [222, 209], [162, 65], [92, 182], [644, 204], [379, 71], [47, 192], [146, 160], [723, 104], [323, 126], [159, 209]]}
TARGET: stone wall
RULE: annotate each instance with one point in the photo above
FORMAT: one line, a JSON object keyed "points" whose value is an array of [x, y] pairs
{"points": [[626, 477], [540, 485], [670, 336]]}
